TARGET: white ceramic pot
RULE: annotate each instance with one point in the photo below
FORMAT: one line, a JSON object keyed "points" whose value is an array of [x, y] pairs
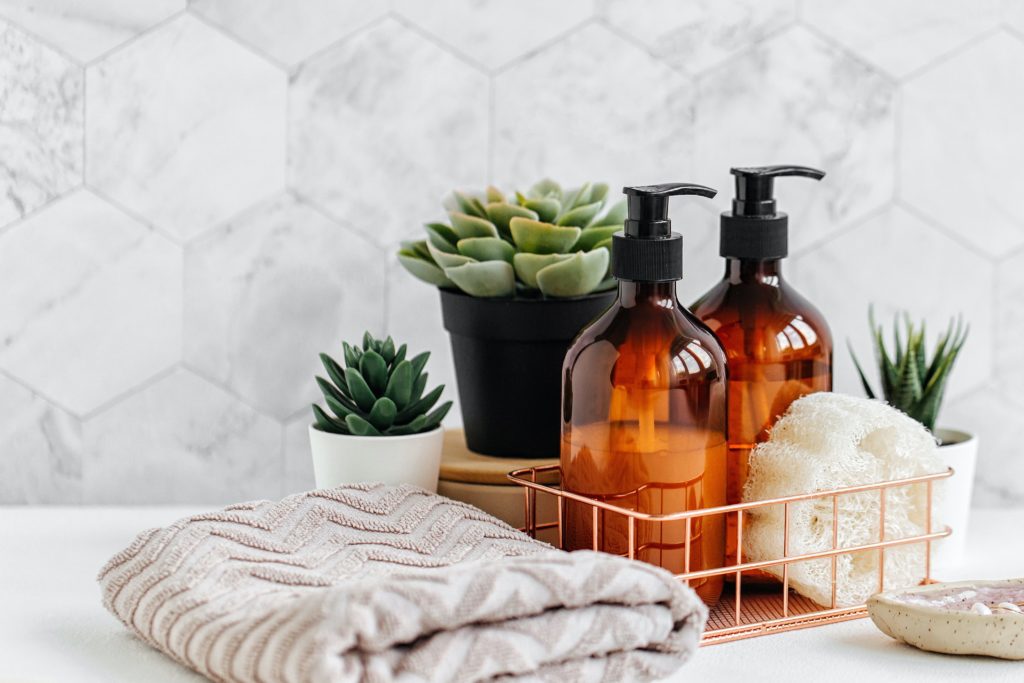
{"points": [[345, 459], [959, 450]]}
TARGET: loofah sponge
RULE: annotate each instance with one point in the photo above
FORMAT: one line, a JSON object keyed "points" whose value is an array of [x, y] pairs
{"points": [[827, 441]]}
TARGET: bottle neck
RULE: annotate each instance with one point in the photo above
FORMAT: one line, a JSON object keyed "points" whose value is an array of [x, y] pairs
{"points": [[661, 294], [741, 271]]}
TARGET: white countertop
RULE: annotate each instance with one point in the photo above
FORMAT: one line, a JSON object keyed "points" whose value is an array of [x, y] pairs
{"points": [[54, 629]]}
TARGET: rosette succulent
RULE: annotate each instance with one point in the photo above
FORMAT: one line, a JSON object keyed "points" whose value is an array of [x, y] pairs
{"points": [[548, 242], [378, 392]]}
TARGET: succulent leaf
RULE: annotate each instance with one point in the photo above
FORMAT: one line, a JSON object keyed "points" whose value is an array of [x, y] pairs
{"points": [[360, 426], [441, 236], [528, 265], [581, 216], [419, 362], [326, 423], [387, 350], [542, 238], [424, 270], [374, 370], [359, 389], [485, 279], [434, 418], [546, 209], [576, 197], [493, 194], [469, 205], [593, 237], [335, 371], [501, 214], [486, 249], [465, 226], [421, 405], [575, 276], [545, 187], [445, 260], [615, 216], [383, 412], [399, 386]]}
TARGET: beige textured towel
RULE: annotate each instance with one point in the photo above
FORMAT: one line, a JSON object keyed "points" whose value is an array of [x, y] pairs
{"points": [[383, 583]]}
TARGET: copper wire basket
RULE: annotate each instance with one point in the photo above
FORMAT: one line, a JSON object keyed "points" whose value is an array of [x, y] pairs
{"points": [[742, 611]]}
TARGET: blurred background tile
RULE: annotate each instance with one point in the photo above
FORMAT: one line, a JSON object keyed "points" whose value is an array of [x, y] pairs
{"points": [[185, 127], [694, 35], [384, 124], [290, 146], [798, 99], [92, 302], [40, 123], [962, 143], [181, 440], [592, 107], [496, 32], [900, 36], [41, 461], [85, 30], [272, 289], [289, 31]]}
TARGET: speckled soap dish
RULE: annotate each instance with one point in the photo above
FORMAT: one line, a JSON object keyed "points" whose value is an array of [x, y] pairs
{"points": [[962, 618]]}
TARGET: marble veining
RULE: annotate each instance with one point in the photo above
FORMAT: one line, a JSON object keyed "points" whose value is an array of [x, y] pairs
{"points": [[181, 440], [199, 195], [269, 291], [382, 126], [86, 30], [190, 125], [41, 119], [92, 302]]}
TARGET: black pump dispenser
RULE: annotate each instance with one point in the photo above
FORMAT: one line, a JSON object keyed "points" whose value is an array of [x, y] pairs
{"points": [[647, 250], [755, 229]]}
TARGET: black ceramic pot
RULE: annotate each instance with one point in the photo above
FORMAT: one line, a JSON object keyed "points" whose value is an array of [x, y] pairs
{"points": [[508, 365]]}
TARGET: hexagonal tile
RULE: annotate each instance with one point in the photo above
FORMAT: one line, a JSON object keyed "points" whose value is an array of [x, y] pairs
{"points": [[414, 318], [697, 35], [181, 440], [289, 31], [377, 138], [496, 33], [999, 479], [42, 450], [1009, 293], [961, 143], [41, 132], [592, 107], [87, 30], [898, 263], [902, 35], [298, 459], [696, 219], [268, 292], [92, 302], [185, 127], [797, 99]]}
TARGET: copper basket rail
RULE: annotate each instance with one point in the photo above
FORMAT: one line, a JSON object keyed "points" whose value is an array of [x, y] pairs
{"points": [[765, 613]]}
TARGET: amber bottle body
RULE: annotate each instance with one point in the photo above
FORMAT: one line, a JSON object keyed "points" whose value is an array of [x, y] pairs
{"points": [[643, 425], [778, 347]]}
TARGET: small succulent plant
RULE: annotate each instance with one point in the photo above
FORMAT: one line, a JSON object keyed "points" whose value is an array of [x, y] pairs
{"points": [[379, 392], [548, 242], [911, 381]]}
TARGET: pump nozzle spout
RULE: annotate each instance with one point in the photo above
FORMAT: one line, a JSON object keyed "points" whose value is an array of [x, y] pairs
{"points": [[755, 187], [647, 207]]}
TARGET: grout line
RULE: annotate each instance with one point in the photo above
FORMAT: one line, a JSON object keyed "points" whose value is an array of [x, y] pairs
{"points": [[947, 56], [849, 227], [29, 215], [943, 229], [134, 215], [340, 222], [14, 379], [438, 42], [135, 389], [44, 42], [223, 386], [492, 132], [351, 35], [241, 42], [850, 53], [551, 42], [135, 38]]}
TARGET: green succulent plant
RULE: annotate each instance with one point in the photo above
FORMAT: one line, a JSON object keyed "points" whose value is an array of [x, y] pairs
{"points": [[378, 392], [911, 381], [548, 242]]}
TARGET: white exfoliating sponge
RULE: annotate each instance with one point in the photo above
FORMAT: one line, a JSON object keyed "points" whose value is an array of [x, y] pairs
{"points": [[827, 441]]}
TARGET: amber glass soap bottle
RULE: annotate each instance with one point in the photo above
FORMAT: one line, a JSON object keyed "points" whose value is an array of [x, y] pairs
{"points": [[644, 405], [778, 345]]}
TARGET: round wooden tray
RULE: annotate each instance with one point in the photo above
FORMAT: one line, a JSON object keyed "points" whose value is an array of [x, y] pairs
{"points": [[459, 464]]}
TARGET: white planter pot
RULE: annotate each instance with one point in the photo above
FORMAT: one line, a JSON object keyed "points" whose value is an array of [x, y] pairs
{"points": [[959, 450], [345, 459]]}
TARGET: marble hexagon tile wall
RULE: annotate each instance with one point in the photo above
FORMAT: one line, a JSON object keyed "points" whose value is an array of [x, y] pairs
{"points": [[198, 197]]}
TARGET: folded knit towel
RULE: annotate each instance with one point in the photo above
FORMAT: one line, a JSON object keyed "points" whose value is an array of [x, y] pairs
{"points": [[367, 582]]}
